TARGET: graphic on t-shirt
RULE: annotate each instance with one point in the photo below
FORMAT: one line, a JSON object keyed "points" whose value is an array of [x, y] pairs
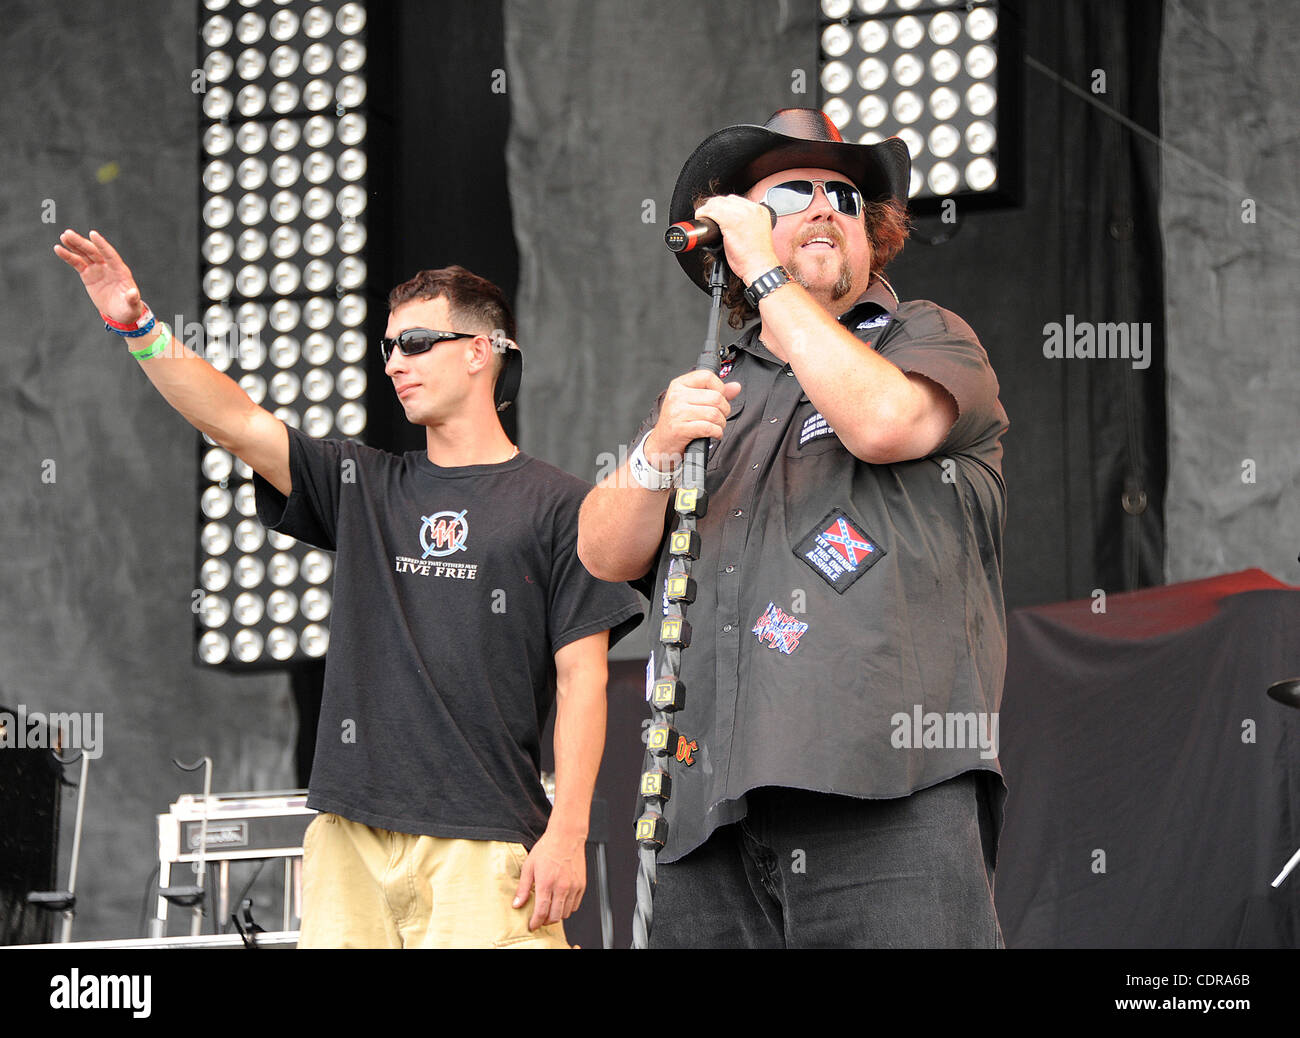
{"points": [[779, 630], [838, 551], [443, 533]]}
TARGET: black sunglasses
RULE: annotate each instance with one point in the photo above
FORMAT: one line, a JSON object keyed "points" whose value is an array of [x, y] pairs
{"points": [[418, 340], [794, 196]]}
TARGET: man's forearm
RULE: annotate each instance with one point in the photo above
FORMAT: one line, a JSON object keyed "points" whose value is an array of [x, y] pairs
{"points": [[579, 744], [620, 527], [209, 400]]}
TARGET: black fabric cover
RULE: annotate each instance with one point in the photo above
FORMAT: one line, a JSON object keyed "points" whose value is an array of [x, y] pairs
{"points": [[1144, 733]]}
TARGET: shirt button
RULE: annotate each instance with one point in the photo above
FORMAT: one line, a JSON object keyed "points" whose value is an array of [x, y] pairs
{"points": [[730, 569], [737, 512], [789, 374], [726, 628], [771, 421], [754, 466]]}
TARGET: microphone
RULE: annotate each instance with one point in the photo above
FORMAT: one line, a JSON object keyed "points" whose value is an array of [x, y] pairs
{"points": [[702, 233]]}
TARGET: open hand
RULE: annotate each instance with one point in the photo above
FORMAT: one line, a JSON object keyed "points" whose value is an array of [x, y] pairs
{"points": [[107, 280]]}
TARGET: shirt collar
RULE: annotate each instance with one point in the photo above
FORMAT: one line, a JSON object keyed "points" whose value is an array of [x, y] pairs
{"points": [[877, 299]]}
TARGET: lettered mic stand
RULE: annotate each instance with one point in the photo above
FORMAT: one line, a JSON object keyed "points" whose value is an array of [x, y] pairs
{"points": [[668, 694]]}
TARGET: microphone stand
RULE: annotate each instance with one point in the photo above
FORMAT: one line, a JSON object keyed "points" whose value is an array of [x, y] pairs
{"points": [[668, 694]]}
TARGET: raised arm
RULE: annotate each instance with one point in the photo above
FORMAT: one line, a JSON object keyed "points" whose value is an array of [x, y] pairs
{"points": [[210, 401]]}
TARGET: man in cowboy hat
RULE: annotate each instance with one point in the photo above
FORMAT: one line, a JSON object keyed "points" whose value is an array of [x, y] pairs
{"points": [[841, 784]]}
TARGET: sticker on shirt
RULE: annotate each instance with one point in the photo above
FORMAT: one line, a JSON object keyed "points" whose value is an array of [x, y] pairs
{"points": [[879, 321], [778, 630], [649, 675], [686, 750], [441, 534], [838, 551], [815, 427], [725, 370]]}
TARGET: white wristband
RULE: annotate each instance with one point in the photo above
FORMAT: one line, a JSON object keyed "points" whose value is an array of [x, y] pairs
{"points": [[646, 475]]}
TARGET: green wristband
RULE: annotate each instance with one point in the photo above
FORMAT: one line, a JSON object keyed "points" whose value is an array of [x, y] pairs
{"points": [[156, 347]]}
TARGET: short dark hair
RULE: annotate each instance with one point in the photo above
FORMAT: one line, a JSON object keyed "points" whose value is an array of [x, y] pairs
{"points": [[471, 298]]}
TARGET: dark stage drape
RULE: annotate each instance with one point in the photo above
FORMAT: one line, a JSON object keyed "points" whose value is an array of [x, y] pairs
{"points": [[1155, 788]]}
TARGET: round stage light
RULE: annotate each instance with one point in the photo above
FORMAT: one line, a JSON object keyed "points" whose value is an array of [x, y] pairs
{"points": [[351, 91], [215, 538], [218, 175], [281, 643], [317, 420], [908, 32], [281, 606], [252, 209], [250, 27], [317, 275], [254, 385], [251, 174], [981, 174], [872, 110], [352, 163], [351, 19], [872, 74], [284, 242], [316, 22], [317, 203], [317, 385], [289, 416], [214, 611], [315, 604], [318, 131], [247, 646], [351, 418], [217, 102], [216, 31], [352, 310], [218, 66], [248, 608], [218, 247], [284, 315], [217, 464], [318, 239], [285, 206], [317, 313], [284, 24], [284, 278], [218, 284], [317, 59], [249, 535], [907, 107], [981, 99], [251, 138], [352, 129], [981, 23], [981, 60], [836, 40], [284, 134], [316, 567], [944, 103], [285, 351], [282, 569], [284, 97], [315, 640], [245, 499], [352, 382], [351, 55], [351, 347], [284, 387], [943, 140], [214, 575], [252, 245], [351, 237], [251, 280], [943, 178], [218, 139], [351, 201], [317, 348], [284, 171], [214, 647], [317, 95], [215, 503], [944, 28], [284, 62], [251, 64]]}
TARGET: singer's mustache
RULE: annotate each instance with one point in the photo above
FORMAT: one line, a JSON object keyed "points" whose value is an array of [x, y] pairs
{"points": [[827, 231]]}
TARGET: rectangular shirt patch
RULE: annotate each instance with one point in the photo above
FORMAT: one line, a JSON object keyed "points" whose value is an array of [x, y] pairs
{"points": [[838, 551], [815, 427]]}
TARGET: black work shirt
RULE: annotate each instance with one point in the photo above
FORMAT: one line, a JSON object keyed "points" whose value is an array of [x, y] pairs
{"points": [[848, 631]]}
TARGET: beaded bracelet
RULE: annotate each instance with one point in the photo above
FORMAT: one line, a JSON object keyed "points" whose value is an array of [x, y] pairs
{"points": [[156, 347]]}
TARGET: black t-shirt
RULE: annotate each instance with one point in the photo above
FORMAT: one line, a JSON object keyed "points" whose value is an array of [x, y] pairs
{"points": [[843, 610], [453, 590]]}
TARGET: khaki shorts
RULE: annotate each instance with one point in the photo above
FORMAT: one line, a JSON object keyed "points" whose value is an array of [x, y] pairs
{"points": [[373, 888]]}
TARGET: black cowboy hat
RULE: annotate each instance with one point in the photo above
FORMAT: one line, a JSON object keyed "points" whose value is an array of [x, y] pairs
{"points": [[738, 157]]}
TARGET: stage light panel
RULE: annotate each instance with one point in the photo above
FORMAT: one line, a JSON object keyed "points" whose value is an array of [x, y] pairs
{"points": [[933, 74]]}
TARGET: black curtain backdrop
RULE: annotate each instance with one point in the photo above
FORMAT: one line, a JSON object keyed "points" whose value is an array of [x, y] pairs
{"points": [[1154, 786]]}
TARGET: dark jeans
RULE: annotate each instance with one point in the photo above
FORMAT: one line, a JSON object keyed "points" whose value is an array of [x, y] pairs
{"points": [[815, 870]]}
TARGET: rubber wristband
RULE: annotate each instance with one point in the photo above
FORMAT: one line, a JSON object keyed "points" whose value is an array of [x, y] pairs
{"points": [[159, 345], [135, 334], [140, 322]]}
